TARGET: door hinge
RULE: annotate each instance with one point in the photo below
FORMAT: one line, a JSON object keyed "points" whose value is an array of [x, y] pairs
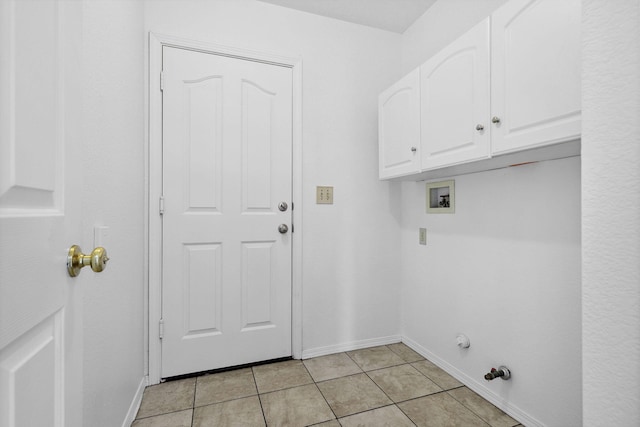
{"points": [[161, 324], [161, 205], [161, 81]]}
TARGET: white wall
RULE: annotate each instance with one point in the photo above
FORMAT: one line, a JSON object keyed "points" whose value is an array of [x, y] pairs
{"points": [[611, 212], [504, 269], [113, 191], [350, 257]]}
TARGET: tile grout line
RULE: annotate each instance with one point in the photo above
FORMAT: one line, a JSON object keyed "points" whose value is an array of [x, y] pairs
{"points": [[445, 390], [227, 400], [330, 408], [393, 403], [372, 380], [471, 410], [335, 417], [162, 414], [285, 388], [193, 405], [352, 375], [255, 382]]}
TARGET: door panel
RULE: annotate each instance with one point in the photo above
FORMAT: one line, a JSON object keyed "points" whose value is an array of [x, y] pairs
{"points": [[40, 335], [31, 374], [227, 132], [258, 289], [203, 140], [203, 289], [257, 112]]}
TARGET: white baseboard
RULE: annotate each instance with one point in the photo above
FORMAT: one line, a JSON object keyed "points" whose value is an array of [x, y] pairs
{"points": [[349, 346], [511, 410], [135, 403]]}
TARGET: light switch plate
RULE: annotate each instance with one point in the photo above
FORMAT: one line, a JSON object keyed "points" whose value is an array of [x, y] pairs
{"points": [[324, 195], [423, 236]]}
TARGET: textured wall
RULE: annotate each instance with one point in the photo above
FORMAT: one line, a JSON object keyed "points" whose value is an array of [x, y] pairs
{"points": [[611, 212], [113, 195]]}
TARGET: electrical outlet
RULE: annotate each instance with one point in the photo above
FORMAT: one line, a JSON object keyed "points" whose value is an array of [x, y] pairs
{"points": [[324, 195], [423, 236]]}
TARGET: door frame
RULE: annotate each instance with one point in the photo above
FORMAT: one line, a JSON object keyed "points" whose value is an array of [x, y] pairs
{"points": [[153, 188]]}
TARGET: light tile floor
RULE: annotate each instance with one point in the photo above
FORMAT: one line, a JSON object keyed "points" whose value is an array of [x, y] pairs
{"points": [[380, 386]]}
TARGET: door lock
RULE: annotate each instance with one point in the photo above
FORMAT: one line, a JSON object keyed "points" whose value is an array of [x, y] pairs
{"points": [[283, 206]]}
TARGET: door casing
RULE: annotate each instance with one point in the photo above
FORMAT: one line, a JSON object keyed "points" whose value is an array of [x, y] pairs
{"points": [[153, 173]]}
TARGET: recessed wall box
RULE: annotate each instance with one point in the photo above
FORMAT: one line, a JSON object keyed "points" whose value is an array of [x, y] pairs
{"points": [[441, 197]]}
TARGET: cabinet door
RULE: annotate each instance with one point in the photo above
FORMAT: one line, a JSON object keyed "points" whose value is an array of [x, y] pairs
{"points": [[399, 127], [455, 101], [535, 75]]}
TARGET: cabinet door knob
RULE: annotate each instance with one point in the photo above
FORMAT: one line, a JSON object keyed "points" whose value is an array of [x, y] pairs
{"points": [[479, 128], [414, 149], [495, 119]]}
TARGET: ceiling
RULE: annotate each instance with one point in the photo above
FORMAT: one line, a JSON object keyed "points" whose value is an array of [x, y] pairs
{"points": [[390, 15]]}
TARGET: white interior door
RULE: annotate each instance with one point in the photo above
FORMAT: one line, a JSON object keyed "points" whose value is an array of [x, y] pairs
{"points": [[227, 133], [40, 315]]}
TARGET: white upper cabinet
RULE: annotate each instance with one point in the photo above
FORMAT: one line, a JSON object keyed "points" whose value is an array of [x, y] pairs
{"points": [[454, 97], [399, 127], [535, 74], [506, 92]]}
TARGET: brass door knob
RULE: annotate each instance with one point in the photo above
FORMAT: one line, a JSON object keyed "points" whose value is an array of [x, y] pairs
{"points": [[97, 259]]}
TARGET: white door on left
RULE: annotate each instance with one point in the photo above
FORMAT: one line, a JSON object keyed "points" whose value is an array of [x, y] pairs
{"points": [[40, 313]]}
